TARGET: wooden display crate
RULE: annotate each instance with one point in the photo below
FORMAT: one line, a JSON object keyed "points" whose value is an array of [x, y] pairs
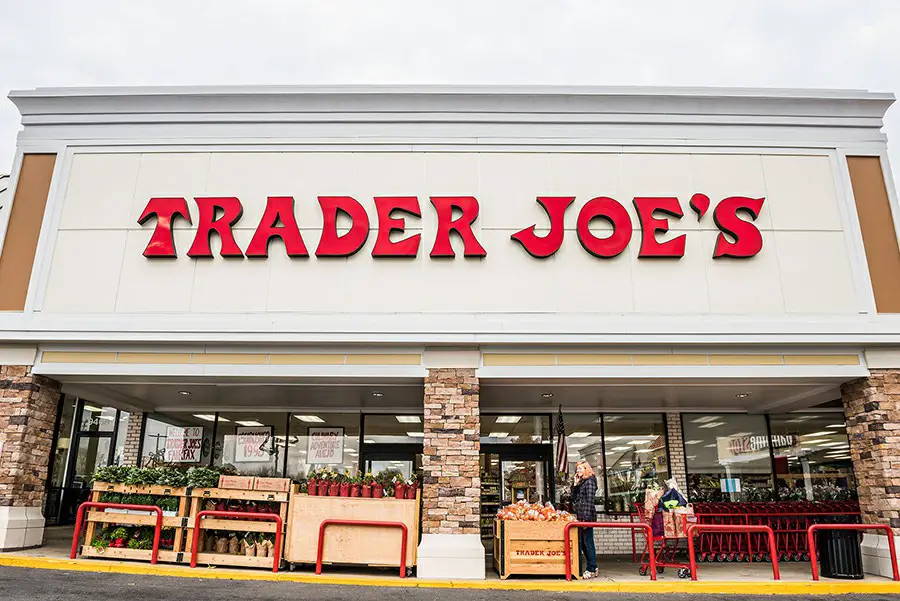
{"points": [[99, 516], [198, 498], [373, 546], [532, 548]]}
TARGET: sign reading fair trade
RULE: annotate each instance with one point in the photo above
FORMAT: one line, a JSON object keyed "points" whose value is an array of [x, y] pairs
{"points": [[733, 217]]}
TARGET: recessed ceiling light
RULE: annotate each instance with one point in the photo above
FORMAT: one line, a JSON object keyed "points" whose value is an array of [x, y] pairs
{"points": [[107, 417], [712, 425], [836, 426], [691, 457], [377, 394], [184, 392], [644, 451], [612, 438], [704, 419], [609, 453], [742, 434], [92, 408], [577, 446], [409, 419], [247, 423], [742, 395], [508, 419], [693, 442], [621, 448], [834, 444], [579, 434], [208, 417], [416, 434], [547, 395], [369, 441], [498, 434], [310, 419], [710, 446], [821, 433], [812, 441]]}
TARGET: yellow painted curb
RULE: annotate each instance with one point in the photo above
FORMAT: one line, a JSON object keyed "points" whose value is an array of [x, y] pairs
{"points": [[674, 586]]}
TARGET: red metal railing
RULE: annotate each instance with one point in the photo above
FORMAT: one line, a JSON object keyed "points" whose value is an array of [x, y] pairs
{"points": [[811, 542], [731, 528], [336, 522], [240, 515], [79, 521], [567, 541]]}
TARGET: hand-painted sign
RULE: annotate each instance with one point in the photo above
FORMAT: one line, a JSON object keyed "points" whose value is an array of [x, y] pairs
{"points": [[254, 444], [183, 445], [325, 446]]}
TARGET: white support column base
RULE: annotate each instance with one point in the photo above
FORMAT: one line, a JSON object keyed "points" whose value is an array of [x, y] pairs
{"points": [[451, 557], [21, 528], [876, 555]]}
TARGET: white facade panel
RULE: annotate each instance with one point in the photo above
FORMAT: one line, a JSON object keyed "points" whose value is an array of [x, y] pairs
{"points": [[803, 267]]}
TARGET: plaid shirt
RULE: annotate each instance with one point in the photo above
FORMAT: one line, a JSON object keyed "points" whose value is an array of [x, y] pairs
{"points": [[584, 499]]}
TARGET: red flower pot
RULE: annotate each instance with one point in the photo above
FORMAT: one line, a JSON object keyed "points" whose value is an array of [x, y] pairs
{"points": [[355, 489], [334, 489], [411, 490], [366, 491], [345, 489], [312, 489], [399, 490], [377, 491], [118, 543]]}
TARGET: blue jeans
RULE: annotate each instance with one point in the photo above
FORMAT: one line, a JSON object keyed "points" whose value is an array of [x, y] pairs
{"points": [[586, 540]]}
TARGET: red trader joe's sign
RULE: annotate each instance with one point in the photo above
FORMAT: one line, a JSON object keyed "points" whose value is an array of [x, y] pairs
{"points": [[733, 216]]}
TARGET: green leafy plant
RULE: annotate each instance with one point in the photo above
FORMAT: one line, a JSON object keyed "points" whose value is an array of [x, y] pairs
{"points": [[167, 503], [113, 474], [171, 477], [203, 477]]}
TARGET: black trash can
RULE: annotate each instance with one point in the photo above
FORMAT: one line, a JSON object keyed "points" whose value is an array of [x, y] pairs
{"points": [[839, 553]]}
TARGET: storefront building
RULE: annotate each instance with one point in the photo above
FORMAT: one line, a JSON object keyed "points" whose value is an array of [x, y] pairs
{"points": [[703, 283]]}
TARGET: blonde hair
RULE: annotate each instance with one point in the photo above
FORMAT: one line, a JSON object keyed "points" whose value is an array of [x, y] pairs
{"points": [[587, 467]]}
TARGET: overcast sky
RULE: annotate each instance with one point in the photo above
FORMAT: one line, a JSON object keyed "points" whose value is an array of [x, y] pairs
{"points": [[786, 43]]}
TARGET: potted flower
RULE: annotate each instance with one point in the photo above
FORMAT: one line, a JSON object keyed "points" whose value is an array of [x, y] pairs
{"points": [[312, 488], [345, 481], [412, 485], [377, 488], [356, 485], [323, 483], [399, 487], [334, 484], [366, 488]]}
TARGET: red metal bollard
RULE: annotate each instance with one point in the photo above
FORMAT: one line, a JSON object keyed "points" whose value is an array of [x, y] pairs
{"points": [[811, 543], [730, 529], [79, 523], [567, 541], [336, 522]]}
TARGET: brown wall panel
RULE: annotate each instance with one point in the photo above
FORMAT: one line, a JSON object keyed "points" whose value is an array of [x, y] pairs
{"points": [[23, 230], [879, 236]]}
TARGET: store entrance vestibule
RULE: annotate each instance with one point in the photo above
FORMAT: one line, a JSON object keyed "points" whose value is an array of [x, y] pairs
{"points": [[511, 473]]}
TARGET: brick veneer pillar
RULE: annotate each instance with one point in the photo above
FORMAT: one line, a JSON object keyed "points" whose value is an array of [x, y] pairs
{"points": [[134, 432], [872, 412], [451, 488], [677, 461], [28, 408]]}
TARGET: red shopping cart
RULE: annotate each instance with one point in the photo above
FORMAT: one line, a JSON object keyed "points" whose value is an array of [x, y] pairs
{"points": [[665, 549]]}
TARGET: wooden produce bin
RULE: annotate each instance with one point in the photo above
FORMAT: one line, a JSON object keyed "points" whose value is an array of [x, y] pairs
{"points": [[372, 546], [199, 496], [532, 548], [94, 517]]}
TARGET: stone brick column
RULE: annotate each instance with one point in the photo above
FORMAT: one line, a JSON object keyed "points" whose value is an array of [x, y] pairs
{"points": [[872, 412], [677, 460], [28, 408], [133, 434], [451, 487]]}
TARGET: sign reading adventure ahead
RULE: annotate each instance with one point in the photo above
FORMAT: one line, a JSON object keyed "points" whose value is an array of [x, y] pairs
{"points": [[325, 446], [738, 238], [183, 445]]}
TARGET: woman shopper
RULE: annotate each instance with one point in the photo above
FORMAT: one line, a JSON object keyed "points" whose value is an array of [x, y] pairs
{"points": [[584, 492]]}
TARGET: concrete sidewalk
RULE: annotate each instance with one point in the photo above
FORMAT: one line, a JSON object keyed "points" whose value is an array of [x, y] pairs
{"points": [[616, 574]]}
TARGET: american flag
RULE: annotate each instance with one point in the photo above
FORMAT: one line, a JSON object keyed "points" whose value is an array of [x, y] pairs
{"points": [[562, 451]]}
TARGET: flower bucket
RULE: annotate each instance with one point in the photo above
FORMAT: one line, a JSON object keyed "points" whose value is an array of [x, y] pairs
{"points": [[344, 490], [355, 490], [366, 491], [377, 491], [334, 489], [322, 488], [312, 489], [399, 490], [411, 490]]}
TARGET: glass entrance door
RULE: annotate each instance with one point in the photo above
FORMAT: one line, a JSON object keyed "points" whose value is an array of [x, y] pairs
{"points": [[513, 473]]}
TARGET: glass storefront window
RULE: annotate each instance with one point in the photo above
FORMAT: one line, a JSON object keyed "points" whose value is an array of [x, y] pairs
{"points": [[95, 418], [185, 428], [299, 460], [251, 443], [392, 429], [812, 457], [635, 457], [515, 429], [92, 452], [727, 457], [584, 442], [63, 441], [121, 432]]}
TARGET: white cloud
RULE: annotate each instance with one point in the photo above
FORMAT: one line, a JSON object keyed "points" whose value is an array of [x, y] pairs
{"points": [[803, 43]]}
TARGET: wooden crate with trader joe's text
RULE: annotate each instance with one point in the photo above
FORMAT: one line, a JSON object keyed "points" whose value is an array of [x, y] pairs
{"points": [[532, 548], [372, 546]]}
